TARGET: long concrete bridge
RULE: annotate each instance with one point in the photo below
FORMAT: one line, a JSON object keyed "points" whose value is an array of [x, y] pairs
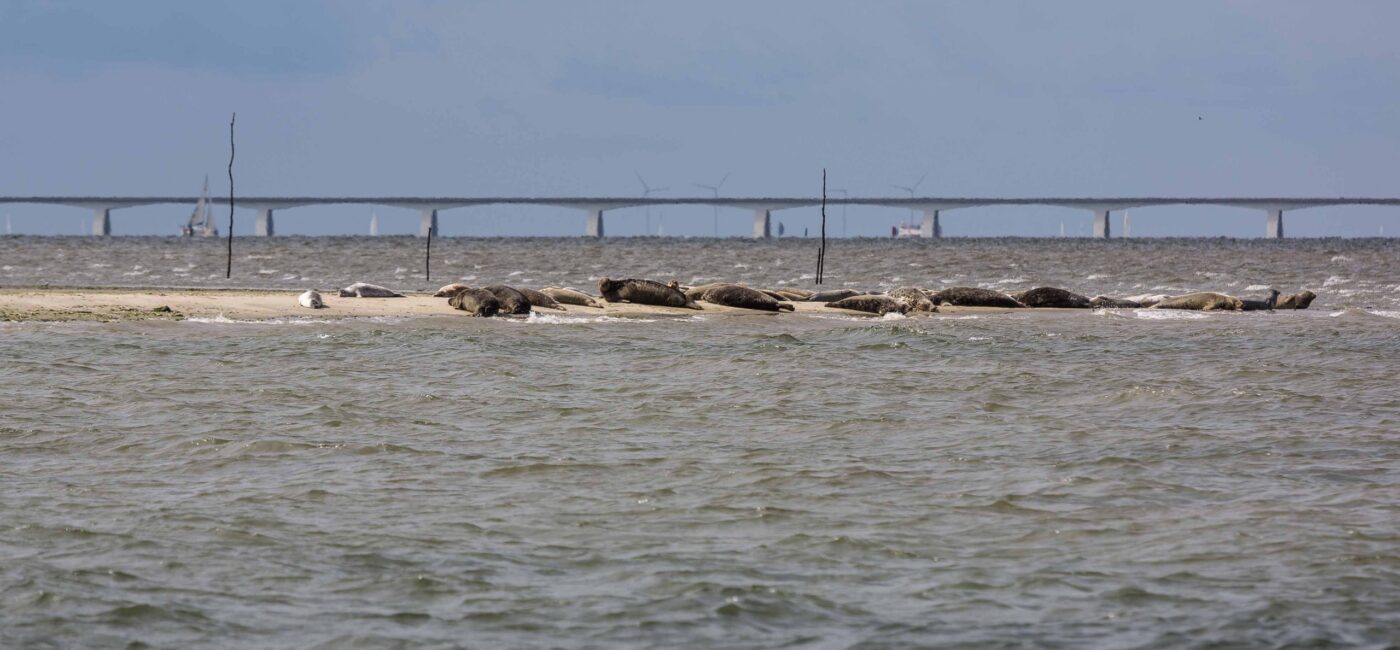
{"points": [[762, 207]]}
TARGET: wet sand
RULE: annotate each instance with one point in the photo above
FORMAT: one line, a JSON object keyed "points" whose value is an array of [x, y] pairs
{"points": [[126, 304]]}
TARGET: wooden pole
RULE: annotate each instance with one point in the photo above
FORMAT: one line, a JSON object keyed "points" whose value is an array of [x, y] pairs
{"points": [[821, 252], [428, 250], [228, 271]]}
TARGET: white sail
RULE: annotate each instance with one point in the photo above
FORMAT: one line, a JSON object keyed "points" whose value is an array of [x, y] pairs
{"points": [[373, 224]]}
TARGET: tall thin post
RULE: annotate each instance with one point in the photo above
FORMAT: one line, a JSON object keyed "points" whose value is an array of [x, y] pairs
{"points": [[428, 254], [821, 252], [228, 272]]}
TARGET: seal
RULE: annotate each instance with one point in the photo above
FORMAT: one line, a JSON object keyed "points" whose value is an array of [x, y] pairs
{"points": [[1105, 302], [311, 300], [698, 291], [1148, 299], [476, 302], [1299, 300], [1203, 301], [644, 292], [974, 297], [366, 290], [450, 290], [1052, 297], [540, 299], [774, 295], [511, 301], [874, 304], [1266, 304], [733, 295], [570, 296], [909, 294], [794, 294], [832, 295]]}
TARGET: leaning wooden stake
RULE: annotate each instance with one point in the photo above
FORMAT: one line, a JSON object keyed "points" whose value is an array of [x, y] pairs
{"points": [[228, 272], [428, 251], [821, 252]]}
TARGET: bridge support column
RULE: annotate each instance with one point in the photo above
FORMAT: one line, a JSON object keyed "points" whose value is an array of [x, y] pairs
{"points": [[762, 224], [1274, 228], [101, 222], [428, 222], [263, 227], [1101, 230], [594, 226], [932, 228]]}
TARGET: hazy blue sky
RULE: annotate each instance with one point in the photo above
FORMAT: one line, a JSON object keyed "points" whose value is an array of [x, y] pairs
{"points": [[1064, 98]]}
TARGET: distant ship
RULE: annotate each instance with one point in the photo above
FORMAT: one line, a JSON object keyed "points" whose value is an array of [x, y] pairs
{"points": [[906, 229], [201, 222]]}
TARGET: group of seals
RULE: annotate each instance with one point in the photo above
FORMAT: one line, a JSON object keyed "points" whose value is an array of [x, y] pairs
{"points": [[733, 295], [496, 299]]}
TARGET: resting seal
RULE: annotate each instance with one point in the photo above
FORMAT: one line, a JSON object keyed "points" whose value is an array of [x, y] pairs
{"points": [[570, 296], [450, 290], [1299, 300], [1266, 304], [794, 294], [644, 292], [875, 304], [733, 295], [698, 291], [511, 301], [366, 290], [311, 300], [1203, 301], [1148, 299], [832, 295], [1104, 302], [1052, 297], [974, 297], [909, 294], [477, 302], [540, 299]]}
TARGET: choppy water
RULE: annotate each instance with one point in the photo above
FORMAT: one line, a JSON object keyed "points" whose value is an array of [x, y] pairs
{"points": [[1110, 479]]}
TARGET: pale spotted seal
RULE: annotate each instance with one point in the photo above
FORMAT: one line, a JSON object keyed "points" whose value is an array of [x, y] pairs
{"points": [[366, 290], [644, 292], [733, 295], [832, 295], [974, 297], [1105, 302], [540, 299], [477, 302], [450, 290], [511, 300], [570, 296], [874, 304], [1203, 301], [1299, 300], [311, 300]]}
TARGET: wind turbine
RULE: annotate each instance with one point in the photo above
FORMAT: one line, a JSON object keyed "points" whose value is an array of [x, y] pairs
{"points": [[845, 195], [910, 190], [647, 191], [714, 189]]}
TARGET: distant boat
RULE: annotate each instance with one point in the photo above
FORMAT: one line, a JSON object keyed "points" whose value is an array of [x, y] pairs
{"points": [[201, 223], [907, 229]]}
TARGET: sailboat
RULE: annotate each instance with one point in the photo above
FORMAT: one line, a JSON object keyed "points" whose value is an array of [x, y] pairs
{"points": [[373, 223], [201, 222]]}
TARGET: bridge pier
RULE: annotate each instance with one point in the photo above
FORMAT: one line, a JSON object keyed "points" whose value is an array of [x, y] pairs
{"points": [[594, 226], [762, 224], [101, 222], [428, 222], [1101, 228], [1274, 228], [263, 226], [932, 229]]}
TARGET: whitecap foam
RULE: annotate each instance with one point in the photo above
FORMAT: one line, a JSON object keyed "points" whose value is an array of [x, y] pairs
{"points": [[1257, 287], [224, 320], [537, 318], [1167, 314]]}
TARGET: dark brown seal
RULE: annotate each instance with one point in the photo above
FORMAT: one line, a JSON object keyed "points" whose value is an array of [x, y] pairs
{"points": [[1266, 304], [512, 301], [874, 304], [477, 302], [733, 295], [1052, 297], [974, 297], [698, 291], [1299, 300], [644, 292], [539, 299]]}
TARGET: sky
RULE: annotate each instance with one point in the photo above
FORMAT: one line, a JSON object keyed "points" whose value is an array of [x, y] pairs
{"points": [[988, 98]]}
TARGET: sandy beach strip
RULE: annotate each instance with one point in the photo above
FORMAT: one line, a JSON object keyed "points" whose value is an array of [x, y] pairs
{"points": [[128, 304]]}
